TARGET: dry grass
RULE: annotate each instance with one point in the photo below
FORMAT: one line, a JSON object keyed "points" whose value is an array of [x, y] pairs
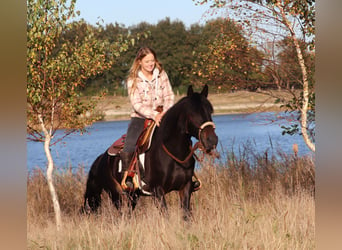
{"points": [[244, 204]]}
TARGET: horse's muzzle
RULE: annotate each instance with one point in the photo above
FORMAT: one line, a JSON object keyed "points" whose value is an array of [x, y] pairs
{"points": [[209, 139]]}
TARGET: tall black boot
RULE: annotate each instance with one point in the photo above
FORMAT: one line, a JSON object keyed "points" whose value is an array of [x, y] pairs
{"points": [[126, 182]]}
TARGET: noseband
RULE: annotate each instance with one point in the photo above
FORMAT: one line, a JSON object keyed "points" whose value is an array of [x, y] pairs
{"points": [[192, 149], [200, 129]]}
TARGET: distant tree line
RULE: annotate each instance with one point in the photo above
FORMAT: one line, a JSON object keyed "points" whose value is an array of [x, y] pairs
{"points": [[216, 53]]}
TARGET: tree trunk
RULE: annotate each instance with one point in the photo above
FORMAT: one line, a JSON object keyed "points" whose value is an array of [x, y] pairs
{"points": [[304, 108], [49, 175]]}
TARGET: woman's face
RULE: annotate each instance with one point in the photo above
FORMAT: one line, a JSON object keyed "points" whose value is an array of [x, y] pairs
{"points": [[148, 63]]}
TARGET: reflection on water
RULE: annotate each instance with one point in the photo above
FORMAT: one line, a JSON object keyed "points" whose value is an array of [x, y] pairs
{"points": [[260, 131]]}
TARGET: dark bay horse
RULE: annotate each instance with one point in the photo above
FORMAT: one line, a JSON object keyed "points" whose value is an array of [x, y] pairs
{"points": [[169, 162]]}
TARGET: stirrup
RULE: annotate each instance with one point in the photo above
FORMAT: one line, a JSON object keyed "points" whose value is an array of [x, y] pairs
{"points": [[127, 183], [127, 186], [196, 185]]}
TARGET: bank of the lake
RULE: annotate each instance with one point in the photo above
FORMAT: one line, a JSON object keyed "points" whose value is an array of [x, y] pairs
{"points": [[118, 107]]}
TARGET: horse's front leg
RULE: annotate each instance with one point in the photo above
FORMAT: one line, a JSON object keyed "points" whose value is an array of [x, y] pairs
{"points": [[160, 197], [184, 196]]}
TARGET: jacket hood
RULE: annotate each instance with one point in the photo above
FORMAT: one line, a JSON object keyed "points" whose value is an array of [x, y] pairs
{"points": [[143, 77]]}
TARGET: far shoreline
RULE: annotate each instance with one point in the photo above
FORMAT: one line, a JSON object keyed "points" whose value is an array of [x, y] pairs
{"points": [[118, 108], [235, 112]]}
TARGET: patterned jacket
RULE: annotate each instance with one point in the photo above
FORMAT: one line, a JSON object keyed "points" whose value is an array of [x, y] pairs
{"points": [[148, 95]]}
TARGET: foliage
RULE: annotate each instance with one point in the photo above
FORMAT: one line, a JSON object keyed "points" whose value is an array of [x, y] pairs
{"points": [[302, 10], [171, 42], [59, 62], [229, 62], [289, 65], [290, 24], [182, 52], [290, 74], [218, 53]]}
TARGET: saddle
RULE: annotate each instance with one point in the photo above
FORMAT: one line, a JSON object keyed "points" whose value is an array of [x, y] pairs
{"points": [[143, 142], [142, 145]]}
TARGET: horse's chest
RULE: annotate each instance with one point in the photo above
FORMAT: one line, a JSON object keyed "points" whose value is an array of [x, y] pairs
{"points": [[180, 175]]}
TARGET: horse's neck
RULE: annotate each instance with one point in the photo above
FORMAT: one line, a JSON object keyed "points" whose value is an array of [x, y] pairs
{"points": [[177, 139], [171, 134], [176, 142]]}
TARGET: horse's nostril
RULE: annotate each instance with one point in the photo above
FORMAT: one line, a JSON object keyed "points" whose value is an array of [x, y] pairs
{"points": [[213, 140]]}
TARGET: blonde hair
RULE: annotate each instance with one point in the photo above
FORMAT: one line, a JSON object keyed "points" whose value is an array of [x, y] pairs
{"points": [[133, 72]]}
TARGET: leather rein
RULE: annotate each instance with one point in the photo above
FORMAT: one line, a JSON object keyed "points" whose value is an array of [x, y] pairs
{"points": [[192, 149]]}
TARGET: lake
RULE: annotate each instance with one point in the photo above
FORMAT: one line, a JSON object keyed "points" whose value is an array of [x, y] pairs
{"points": [[260, 130]]}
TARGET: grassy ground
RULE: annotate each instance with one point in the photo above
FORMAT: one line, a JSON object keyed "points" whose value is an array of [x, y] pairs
{"points": [[259, 203], [118, 107]]}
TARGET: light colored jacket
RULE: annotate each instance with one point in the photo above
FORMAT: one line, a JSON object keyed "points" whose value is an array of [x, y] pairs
{"points": [[148, 95]]}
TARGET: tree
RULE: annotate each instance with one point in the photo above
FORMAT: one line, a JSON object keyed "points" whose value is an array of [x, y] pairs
{"points": [[291, 75], [228, 62], [177, 48], [58, 63], [171, 42], [273, 20]]}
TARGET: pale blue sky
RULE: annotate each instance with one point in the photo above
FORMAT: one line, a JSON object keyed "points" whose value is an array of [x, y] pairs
{"points": [[132, 12]]}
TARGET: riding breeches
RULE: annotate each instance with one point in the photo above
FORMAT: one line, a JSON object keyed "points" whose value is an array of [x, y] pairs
{"points": [[135, 127]]}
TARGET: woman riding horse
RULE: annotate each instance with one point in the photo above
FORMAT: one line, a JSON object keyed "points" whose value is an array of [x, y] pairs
{"points": [[169, 162], [148, 88]]}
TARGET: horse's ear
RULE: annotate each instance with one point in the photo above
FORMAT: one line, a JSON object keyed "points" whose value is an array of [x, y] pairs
{"points": [[190, 91], [205, 91]]}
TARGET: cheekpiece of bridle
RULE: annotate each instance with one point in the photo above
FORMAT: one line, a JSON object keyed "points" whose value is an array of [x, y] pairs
{"points": [[198, 145]]}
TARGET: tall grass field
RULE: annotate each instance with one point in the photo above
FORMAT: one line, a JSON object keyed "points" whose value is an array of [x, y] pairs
{"points": [[248, 202]]}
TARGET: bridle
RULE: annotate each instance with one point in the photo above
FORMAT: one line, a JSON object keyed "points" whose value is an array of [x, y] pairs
{"points": [[196, 146], [200, 129]]}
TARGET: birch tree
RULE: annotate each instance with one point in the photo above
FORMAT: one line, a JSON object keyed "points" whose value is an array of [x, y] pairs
{"points": [[269, 21], [56, 68]]}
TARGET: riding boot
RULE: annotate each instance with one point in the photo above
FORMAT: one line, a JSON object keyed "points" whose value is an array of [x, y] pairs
{"points": [[126, 182]]}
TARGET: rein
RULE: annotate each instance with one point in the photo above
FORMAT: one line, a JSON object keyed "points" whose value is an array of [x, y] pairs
{"points": [[192, 149]]}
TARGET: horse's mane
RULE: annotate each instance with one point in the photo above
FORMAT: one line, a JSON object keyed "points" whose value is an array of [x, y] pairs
{"points": [[175, 117], [171, 118]]}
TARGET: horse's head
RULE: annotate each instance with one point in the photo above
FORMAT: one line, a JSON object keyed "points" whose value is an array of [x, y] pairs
{"points": [[199, 123]]}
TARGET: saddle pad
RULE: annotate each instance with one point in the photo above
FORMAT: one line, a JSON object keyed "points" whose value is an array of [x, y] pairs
{"points": [[141, 159], [117, 146]]}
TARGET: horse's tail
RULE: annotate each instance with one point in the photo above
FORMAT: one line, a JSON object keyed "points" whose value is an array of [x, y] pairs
{"points": [[92, 194]]}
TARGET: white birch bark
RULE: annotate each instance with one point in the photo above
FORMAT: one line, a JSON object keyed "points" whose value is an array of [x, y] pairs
{"points": [[49, 175], [304, 108]]}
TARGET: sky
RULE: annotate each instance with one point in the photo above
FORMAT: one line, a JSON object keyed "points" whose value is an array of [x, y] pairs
{"points": [[133, 12]]}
